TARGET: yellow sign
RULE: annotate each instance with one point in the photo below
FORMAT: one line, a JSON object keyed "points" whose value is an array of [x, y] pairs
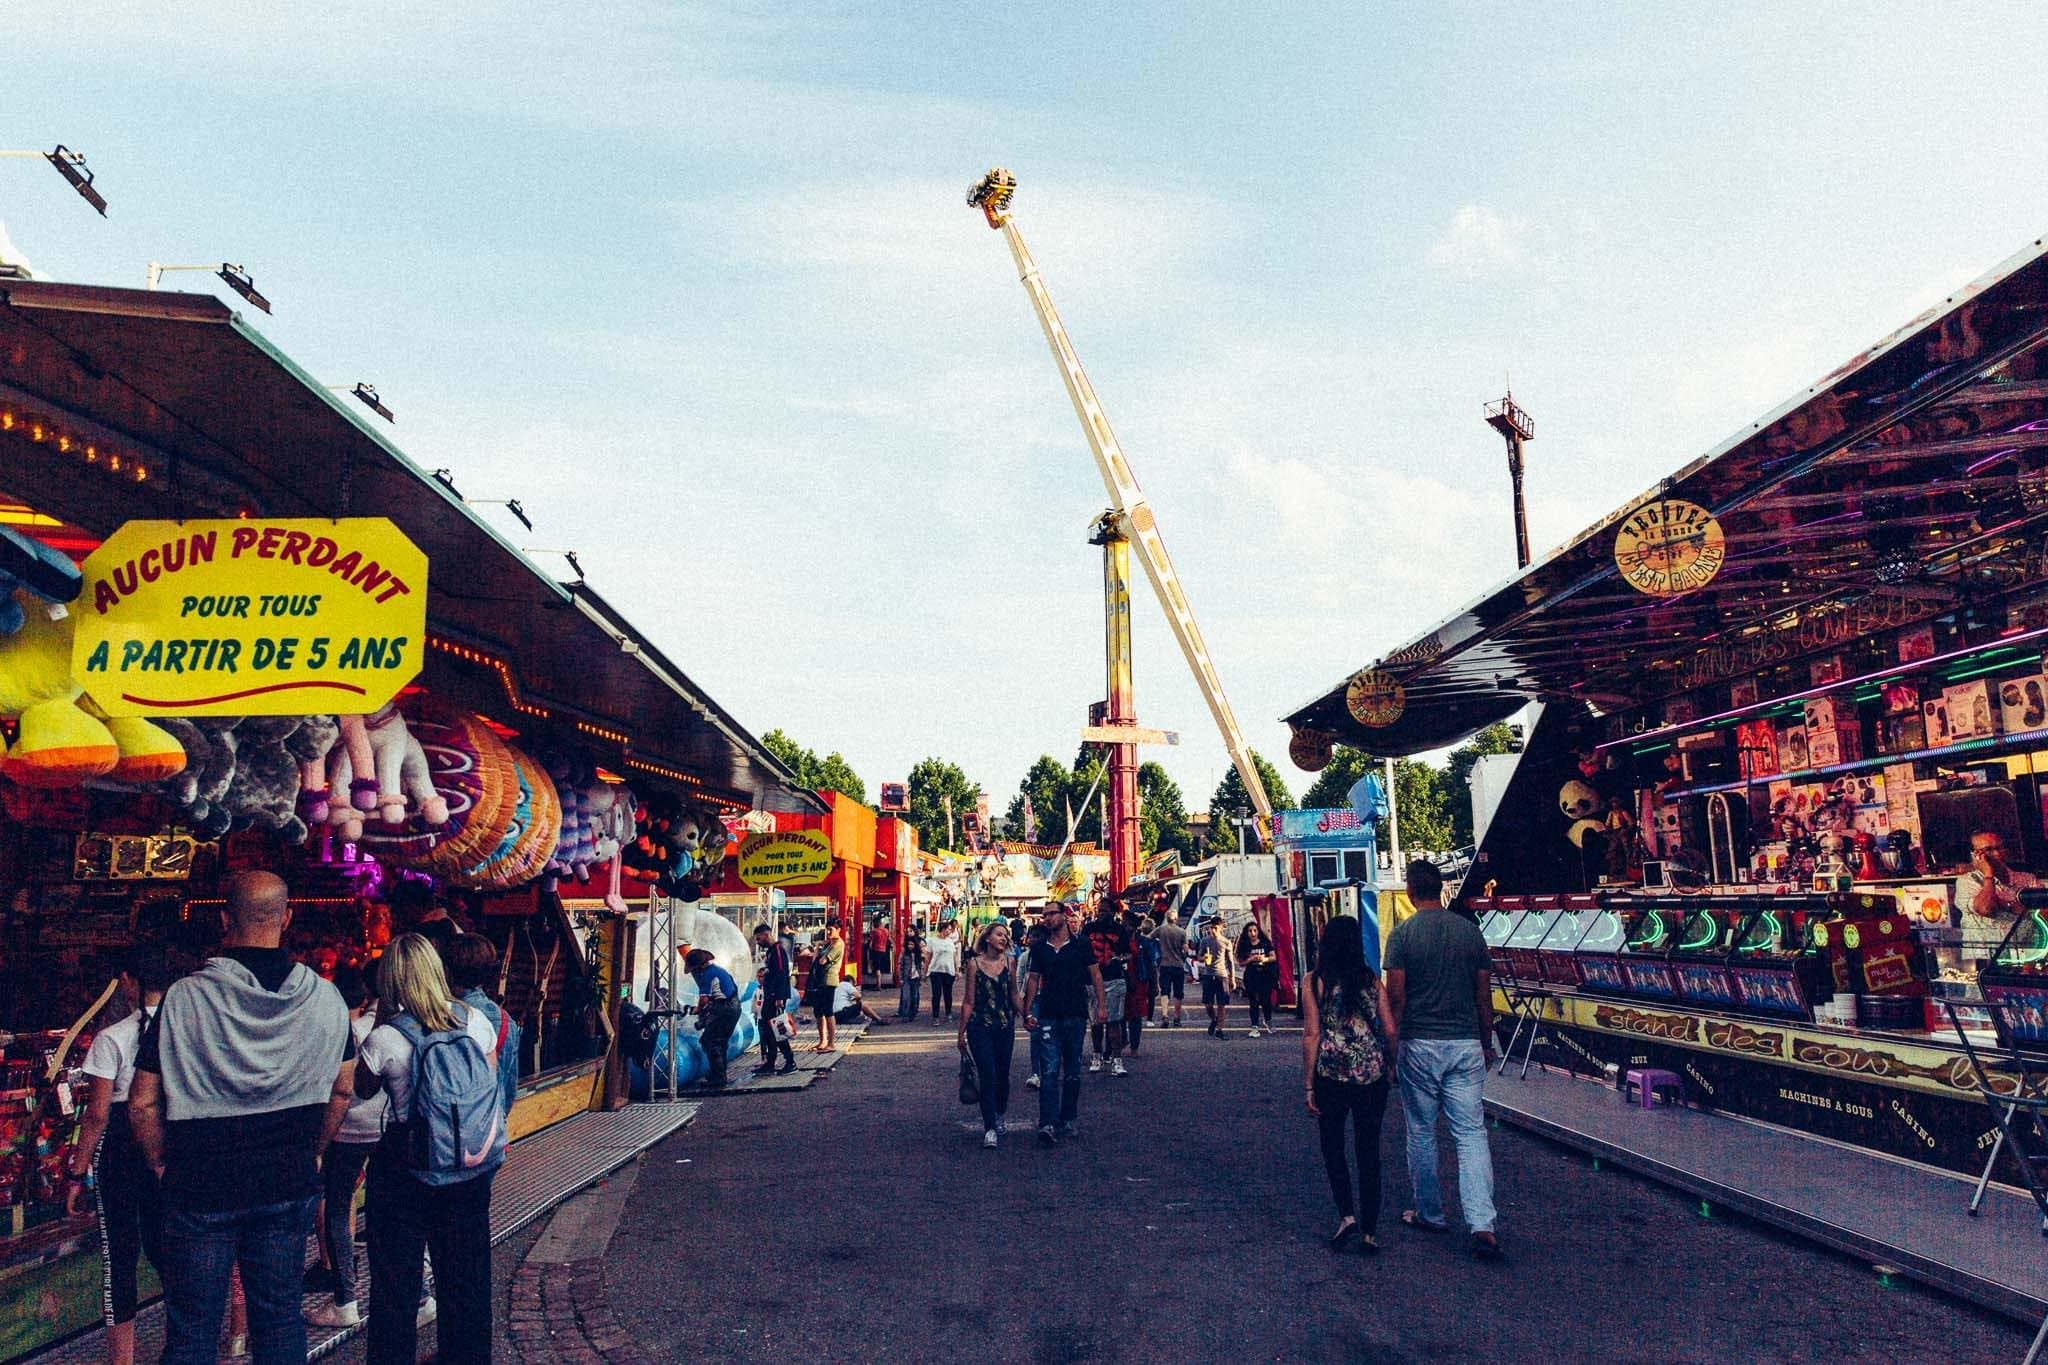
{"points": [[1670, 547], [1375, 698], [274, 617], [795, 857]]}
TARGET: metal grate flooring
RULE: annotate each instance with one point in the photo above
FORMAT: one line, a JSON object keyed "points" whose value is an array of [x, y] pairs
{"points": [[539, 1172]]}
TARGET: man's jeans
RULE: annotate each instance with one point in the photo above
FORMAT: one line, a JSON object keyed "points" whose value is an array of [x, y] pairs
{"points": [[200, 1252], [1059, 1043], [1447, 1074]]}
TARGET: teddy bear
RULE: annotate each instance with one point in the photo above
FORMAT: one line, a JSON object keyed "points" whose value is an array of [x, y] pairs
{"points": [[209, 745], [1580, 804], [264, 793]]}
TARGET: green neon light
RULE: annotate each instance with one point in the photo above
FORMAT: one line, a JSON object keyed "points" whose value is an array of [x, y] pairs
{"points": [[1713, 931], [1991, 668], [2028, 957]]}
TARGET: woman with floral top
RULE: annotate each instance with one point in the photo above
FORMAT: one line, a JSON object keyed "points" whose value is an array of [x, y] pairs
{"points": [[1348, 1051]]}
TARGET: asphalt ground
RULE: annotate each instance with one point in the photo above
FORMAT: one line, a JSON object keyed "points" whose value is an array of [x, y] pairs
{"points": [[858, 1220]]}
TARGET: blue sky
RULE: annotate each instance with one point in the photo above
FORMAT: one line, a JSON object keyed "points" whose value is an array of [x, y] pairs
{"points": [[697, 283]]}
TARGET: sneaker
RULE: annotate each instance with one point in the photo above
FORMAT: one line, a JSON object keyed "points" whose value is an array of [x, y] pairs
{"points": [[1116, 1067], [1094, 1065], [1253, 1032], [1032, 1080], [1069, 1131], [1047, 1137], [988, 1139], [335, 1315], [428, 1308]]}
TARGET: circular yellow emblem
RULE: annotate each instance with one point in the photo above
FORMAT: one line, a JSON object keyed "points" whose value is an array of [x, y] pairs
{"points": [[1310, 750], [1375, 698], [1670, 547]]}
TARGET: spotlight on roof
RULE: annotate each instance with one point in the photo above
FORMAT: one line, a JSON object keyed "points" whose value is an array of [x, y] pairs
{"points": [[569, 555], [446, 478], [366, 392], [238, 280], [509, 504], [71, 165]]}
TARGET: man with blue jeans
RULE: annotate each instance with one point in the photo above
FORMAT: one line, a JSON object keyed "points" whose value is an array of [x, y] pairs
{"points": [[1056, 996], [240, 1081], [1442, 1000]]}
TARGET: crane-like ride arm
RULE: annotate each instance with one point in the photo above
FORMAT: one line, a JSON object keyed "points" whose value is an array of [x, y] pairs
{"points": [[992, 196]]}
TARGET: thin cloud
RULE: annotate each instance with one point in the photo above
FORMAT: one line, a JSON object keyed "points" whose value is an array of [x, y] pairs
{"points": [[1483, 241]]}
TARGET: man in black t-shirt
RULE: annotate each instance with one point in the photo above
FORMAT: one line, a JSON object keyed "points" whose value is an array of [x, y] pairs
{"points": [[1112, 944], [1056, 993], [240, 1082]]}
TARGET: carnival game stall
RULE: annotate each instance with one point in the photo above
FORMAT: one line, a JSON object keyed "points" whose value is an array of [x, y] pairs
{"points": [[239, 630], [1780, 695]]}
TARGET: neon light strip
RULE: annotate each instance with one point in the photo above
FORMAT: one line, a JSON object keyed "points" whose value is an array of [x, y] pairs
{"points": [[1973, 651], [2019, 738]]}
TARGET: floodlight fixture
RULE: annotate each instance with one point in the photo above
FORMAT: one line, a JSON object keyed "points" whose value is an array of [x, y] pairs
{"points": [[71, 165], [509, 504], [367, 392], [235, 277], [446, 478], [569, 555]]}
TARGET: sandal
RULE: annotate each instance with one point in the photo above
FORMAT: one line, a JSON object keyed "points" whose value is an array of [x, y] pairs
{"points": [[1410, 1218], [1343, 1234], [1368, 1246]]}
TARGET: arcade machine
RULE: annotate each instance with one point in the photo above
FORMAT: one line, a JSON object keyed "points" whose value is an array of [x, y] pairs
{"points": [[1597, 955], [1556, 955], [1646, 957], [1500, 926], [1699, 958], [2015, 983], [1776, 969], [1529, 933]]}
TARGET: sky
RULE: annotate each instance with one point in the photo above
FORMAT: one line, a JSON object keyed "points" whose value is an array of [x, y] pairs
{"points": [[698, 284]]}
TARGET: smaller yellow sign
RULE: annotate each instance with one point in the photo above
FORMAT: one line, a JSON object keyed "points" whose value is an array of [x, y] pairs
{"points": [[273, 617], [1375, 698], [795, 857], [1669, 547]]}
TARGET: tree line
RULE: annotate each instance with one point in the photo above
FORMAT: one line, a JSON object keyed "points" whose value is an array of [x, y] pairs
{"points": [[1434, 802]]}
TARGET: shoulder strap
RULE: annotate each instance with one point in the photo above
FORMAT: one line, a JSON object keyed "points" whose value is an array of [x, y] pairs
{"points": [[504, 1028]]}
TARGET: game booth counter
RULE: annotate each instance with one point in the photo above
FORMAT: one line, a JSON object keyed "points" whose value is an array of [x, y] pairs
{"points": [[239, 630], [1778, 694]]}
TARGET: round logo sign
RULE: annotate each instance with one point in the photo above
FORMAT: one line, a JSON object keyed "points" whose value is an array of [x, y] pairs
{"points": [[1375, 698], [1310, 750], [1670, 547]]}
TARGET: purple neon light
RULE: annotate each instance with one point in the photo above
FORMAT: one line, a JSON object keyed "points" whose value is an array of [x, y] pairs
{"points": [[1918, 664], [1874, 761]]}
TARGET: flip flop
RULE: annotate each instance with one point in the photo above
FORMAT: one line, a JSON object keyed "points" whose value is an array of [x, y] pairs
{"points": [[1368, 1246], [1410, 1218], [1343, 1235]]}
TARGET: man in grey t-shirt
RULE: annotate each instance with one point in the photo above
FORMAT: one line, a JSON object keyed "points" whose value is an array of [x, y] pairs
{"points": [[1442, 1001], [1173, 965]]}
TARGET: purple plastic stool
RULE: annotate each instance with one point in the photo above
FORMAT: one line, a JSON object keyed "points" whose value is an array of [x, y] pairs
{"points": [[1647, 1081]]}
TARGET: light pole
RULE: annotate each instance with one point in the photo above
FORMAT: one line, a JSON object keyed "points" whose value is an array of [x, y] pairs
{"points": [[235, 277], [70, 165]]}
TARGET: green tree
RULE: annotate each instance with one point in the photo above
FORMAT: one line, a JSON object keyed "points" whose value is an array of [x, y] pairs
{"points": [[1498, 738], [1423, 807], [1334, 782], [1046, 784], [932, 781], [1231, 797], [830, 773], [1164, 814]]}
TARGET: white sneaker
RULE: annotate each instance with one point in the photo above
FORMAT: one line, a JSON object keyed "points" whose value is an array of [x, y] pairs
{"points": [[1253, 1033], [428, 1308], [1116, 1067], [335, 1315], [988, 1139], [1094, 1064], [1032, 1080]]}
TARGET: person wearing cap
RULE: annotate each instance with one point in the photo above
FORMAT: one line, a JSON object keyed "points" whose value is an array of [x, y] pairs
{"points": [[718, 1011], [1056, 997]]}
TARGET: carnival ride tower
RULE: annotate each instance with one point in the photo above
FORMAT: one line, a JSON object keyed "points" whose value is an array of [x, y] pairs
{"points": [[1515, 428], [1130, 517]]}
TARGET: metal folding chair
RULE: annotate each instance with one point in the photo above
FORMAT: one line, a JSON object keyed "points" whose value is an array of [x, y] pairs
{"points": [[2022, 1122], [1525, 1002]]}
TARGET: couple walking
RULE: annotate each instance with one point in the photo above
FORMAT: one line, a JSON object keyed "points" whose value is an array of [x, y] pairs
{"points": [[1429, 1021]]}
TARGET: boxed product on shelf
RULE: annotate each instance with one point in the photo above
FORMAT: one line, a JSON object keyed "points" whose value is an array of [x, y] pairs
{"points": [[1903, 734], [1757, 743], [1825, 715], [1935, 714], [1823, 748], [1901, 699], [1792, 748], [2023, 703], [1969, 710]]}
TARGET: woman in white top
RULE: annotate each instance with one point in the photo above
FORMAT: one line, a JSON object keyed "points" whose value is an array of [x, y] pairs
{"points": [[342, 1168], [128, 1210], [408, 1216], [944, 966]]}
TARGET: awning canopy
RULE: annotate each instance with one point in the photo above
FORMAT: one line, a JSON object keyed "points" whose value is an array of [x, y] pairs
{"points": [[1910, 484], [190, 413]]}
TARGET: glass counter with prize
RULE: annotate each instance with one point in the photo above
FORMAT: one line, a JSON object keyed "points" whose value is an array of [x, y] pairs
{"points": [[1645, 959], [1596, 957], [1557, 953], [1520, 949], [1699, 956], [2015, 982], [1500, 925], [1775, 966]]}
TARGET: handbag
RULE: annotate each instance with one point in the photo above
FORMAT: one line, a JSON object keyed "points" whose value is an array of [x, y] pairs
{"points": [[782, 1027], [970, 1082]]}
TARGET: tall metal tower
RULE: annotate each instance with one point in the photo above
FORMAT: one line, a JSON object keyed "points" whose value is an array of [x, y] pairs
{"points": [[1515, 427]]}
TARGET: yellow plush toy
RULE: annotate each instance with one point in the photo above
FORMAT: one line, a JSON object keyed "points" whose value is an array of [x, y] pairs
{"points": [[59, 743]]}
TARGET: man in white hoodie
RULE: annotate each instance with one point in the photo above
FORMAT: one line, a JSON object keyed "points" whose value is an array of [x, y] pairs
{"points": [[240, 1082]]}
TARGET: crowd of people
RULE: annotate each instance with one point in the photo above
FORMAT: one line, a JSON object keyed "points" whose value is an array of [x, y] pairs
{"points": [[239, 1106]]}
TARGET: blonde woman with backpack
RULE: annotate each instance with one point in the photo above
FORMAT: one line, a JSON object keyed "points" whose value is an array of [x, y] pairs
{"points": [[430, 1179]]}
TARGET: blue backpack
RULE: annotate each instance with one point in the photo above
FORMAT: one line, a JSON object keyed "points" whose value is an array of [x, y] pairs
{"points": [[456, 1130]]}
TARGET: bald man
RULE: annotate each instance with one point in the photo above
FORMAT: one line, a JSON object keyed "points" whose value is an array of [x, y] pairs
{"points": [[240, 1081]]}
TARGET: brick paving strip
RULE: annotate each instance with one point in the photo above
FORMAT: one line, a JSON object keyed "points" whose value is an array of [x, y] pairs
{"points": [[558, 1307]]}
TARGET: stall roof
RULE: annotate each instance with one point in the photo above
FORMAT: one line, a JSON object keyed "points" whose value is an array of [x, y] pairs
{"points": [[212, 420], [1910, 482]]}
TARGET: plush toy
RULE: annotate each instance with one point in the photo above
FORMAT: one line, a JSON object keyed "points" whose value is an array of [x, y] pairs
{"points": [[310, 744], [209, 745], [400, 770], [149, 754], [32, 572], [265, 791], [361, 763], [58, 744], [1580, 803]]}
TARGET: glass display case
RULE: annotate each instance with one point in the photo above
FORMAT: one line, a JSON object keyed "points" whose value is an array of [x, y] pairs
{"points": [[1557, 954], [1597, 954], [1646, 957], [1699, 957], [1500, 926], [1774, 964], [1521, 947]]}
